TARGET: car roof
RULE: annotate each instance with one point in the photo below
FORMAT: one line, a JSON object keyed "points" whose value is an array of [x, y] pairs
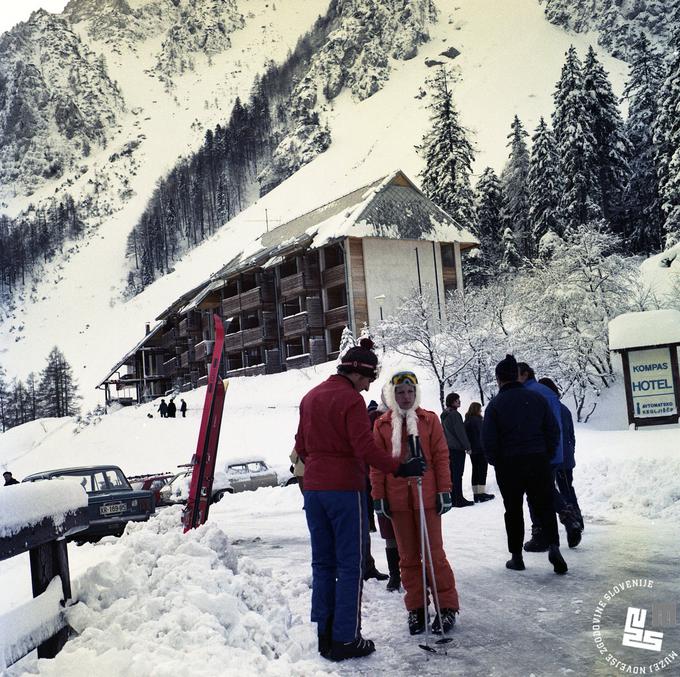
{"points": [[244, 460], [74, 470]]}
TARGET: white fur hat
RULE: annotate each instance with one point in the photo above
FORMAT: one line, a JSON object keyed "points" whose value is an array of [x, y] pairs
{"points": [[398, 414]]}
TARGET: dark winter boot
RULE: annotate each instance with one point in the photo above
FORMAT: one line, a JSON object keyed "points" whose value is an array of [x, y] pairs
{"points": [[448, 620], [555, 558], [572, 524], [394, 583], [536, 543], [416, 621], [481, 498], [357, 649], [516, 562], [374, 573], [325, 638]]}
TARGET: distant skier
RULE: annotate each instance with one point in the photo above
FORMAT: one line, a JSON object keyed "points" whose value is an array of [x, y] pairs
{"points": [[9, 480], [163, 409], [172, 408], [519, 437], [398, 499], [183, 408], [334, 440]]}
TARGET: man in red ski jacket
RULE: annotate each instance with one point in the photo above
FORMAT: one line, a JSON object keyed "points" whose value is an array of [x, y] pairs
{"points": [[335, 441]]}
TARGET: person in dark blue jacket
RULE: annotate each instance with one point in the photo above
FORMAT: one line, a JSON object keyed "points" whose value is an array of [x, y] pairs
{"points": [[519, 437]]}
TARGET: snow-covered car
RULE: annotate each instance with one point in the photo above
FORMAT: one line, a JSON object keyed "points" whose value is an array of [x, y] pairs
{"points": [[177, 489], [112, 502], [152, 482], [249, 474]]}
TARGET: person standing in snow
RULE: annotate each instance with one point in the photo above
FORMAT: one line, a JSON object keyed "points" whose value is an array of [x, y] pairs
{"points": [[519, 437], [335, 442], [9, 480], [163, 409], [183, 408], [397, 498], [172, 408], [473, 428], [459, 446]]}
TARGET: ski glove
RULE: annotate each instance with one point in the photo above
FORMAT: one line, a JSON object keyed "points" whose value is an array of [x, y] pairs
{"points": [[382, 508], [414, 467], [444, 503]]}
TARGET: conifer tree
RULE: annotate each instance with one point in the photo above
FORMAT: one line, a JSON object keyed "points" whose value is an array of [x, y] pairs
{"points": [[612, 148], [576, 147], [514, 179], [58, 388], [448, 154], [511, 256], [544, 186], [4, 401], [347, 341], [490, 207], [642, 200], [667, 140]]}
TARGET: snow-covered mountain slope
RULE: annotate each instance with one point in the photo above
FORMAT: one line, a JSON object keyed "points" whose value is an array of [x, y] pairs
{"points": [[510, 58]]}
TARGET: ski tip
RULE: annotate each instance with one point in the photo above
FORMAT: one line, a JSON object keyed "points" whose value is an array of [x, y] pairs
{"points": [[444, 640]]}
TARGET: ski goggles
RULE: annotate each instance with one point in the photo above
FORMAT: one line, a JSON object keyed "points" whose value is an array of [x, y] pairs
{"points": [[404, 378]]}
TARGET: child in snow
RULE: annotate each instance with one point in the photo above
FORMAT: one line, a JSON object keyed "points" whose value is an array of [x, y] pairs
{"points": [[397, 498]]}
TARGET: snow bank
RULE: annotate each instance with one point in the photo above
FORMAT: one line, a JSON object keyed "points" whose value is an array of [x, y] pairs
{"points": [[26, 504], [173, 603]]}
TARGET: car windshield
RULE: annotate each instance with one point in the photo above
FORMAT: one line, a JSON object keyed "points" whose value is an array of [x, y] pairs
{"points": [[108, 479]]}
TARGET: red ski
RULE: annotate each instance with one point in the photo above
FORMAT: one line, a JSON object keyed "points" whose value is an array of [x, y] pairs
{"points": [[203, 462]]}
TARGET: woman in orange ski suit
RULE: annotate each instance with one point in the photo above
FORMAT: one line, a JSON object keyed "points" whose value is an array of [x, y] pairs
{"points": [[400, 498]]}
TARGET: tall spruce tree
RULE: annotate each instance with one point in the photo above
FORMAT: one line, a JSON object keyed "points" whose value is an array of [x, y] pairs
{"points": [[642, 200], [667, 141], [514, 179], [544, 186], [576, 147], [612, 148], [511, 256], [4, 401], [58, 388], [448, 154], [490, 207]]}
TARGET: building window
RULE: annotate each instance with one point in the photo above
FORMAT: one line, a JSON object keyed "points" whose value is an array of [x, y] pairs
{"points": [[248, 282], [254, 357], [234, 326], [295, 346], [336, 297], [333, 337], [289, 267], [448, 256], [292, 307], [334, 255], [235, 361], [250, 319], [230, 289]]}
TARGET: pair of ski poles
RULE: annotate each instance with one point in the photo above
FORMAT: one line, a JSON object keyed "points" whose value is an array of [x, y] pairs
{"points": [[425, 558]]}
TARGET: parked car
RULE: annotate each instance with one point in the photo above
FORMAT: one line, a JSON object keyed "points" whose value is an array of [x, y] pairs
{"points": [[112, 502], [151, 482], [252, 473], [177, 489]]}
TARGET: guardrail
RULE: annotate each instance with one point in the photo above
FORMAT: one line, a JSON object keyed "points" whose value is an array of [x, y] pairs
{"points": [[39, 623]]}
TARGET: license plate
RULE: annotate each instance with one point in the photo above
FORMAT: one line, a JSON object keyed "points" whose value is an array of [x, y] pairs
{"points": [[113, 509]]}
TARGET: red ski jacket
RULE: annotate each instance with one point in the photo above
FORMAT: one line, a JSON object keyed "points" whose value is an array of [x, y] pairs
{"points": [[334, 438]]}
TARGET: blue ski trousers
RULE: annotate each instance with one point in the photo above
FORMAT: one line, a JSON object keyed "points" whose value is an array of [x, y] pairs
{"points": [[338, 526]]}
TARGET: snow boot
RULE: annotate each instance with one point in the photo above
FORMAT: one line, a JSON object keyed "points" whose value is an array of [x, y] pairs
{"points": [[516, 562], [374, 573], [536, 543], [555, 558], [481, 498], [448, 620], [572, 524], [358, 648], [462, 503], [394, 583], [326, 638], [416, 621]]}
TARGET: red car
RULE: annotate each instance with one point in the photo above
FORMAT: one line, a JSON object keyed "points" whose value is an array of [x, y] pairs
{"points": [[153, 483]]}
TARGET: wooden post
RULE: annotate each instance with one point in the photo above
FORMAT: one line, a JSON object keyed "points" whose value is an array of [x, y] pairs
{"points": [[47, 561]]}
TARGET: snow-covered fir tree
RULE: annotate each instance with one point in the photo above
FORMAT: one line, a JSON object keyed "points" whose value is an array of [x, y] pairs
{"points": [[514, 179], [576, 146], [512, 259], [642, 199], [612, 146], [347, 341], [544, 186], [58, 387], [490, 206], [448, 154], [667, 141]]}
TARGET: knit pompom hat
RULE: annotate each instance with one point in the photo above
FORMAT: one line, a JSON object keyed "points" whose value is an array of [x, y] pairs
{"points": [[506, 369], [360, 360], [399, 415]]}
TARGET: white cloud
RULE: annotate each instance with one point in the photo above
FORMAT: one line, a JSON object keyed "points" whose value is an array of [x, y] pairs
{"points": [[14, 11]]}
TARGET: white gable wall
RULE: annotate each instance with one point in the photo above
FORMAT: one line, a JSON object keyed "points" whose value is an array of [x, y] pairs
{"points": [[390, 268]]}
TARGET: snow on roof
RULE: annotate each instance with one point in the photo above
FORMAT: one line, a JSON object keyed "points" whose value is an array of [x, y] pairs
{"points": [[29, 503], [648, 328]]}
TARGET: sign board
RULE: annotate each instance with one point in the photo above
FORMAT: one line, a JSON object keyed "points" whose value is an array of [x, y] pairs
{"points": [[651, 382]]}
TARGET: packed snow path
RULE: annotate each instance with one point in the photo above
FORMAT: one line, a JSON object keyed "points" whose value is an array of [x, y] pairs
{"points": [[174, 599]]}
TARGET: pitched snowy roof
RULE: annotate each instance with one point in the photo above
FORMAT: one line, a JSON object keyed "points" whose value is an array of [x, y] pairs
{"points": [[648, 328]]}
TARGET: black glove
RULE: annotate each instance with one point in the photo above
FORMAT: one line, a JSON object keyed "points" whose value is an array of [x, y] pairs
{"points": [[444, 502], [414, 467], [381, 507]]}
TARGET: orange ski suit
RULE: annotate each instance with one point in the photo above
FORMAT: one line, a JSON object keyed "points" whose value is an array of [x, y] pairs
{"points": [[402, 499]]}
